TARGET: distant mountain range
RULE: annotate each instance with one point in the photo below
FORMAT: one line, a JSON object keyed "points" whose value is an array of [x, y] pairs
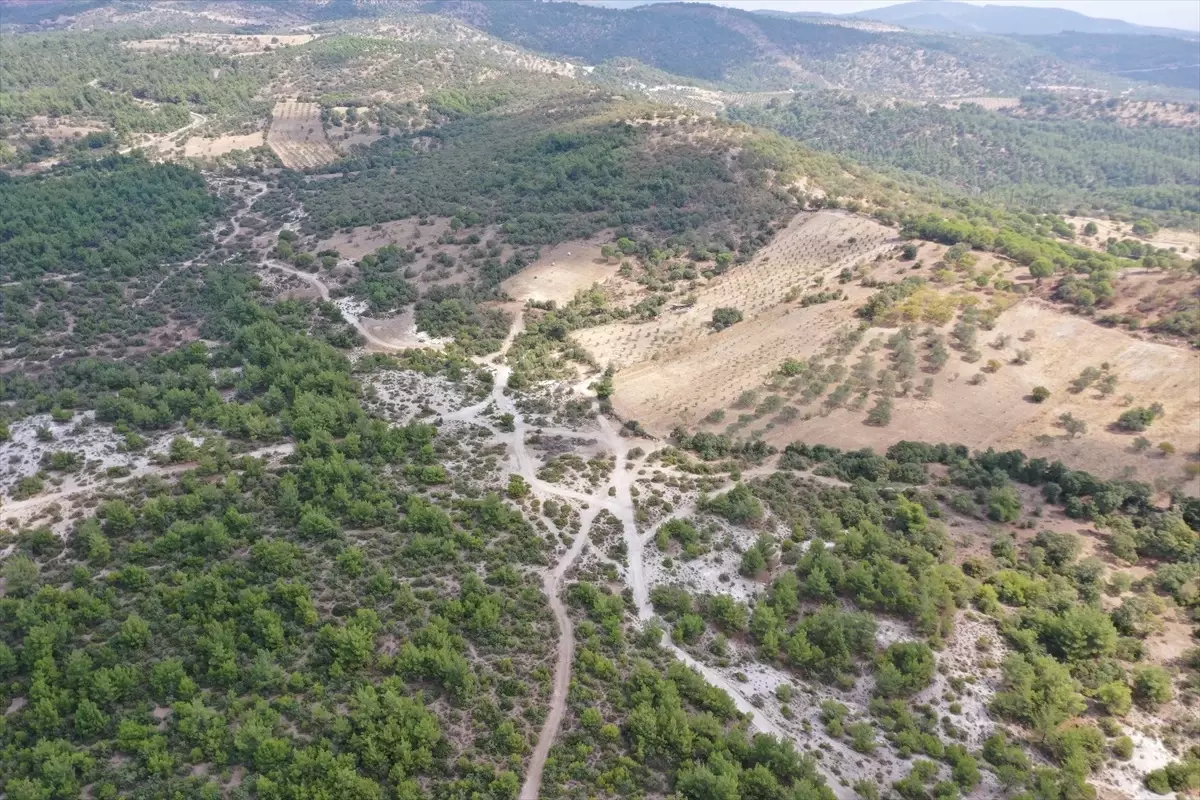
{"points": [[948, 16], [748, 51], [951, 17]]}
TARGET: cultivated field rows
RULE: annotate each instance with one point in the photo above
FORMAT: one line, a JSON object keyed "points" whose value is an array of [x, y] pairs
{"points": [[999, 414], [819, 244], [297, 136]]}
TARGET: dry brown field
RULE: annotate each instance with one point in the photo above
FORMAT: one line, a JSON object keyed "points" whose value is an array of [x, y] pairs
{"points": [[998, 414], [204, 147], [1185, 241], [222, 43], [297, 137], [813, 245], [988, 103], [60, 130], [358, 242], [561, 272], [675, 370], [352, 245]]}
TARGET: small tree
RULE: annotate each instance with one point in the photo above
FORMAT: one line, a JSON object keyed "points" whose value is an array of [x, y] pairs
{"points": [[905, 668], [725, 316], [881, 414], [1090, 229], [1108, 384], [1166, 448], [1072, 425], [1039, 394], [518, 487], [1145, 227], [1138, 419], [1041, 268], [1152, 686], [1116, 698]]}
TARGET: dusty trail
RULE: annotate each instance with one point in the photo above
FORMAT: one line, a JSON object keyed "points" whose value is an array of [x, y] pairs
{"points": [[552, 578], [564, 657], [156, 142], [260, 188], [620, 504], [323, 291], [352, 319]]}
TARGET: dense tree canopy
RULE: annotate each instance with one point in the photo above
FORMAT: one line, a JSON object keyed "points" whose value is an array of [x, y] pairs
{"points": [[120, 216]]}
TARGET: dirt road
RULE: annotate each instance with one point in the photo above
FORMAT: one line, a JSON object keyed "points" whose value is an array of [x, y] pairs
{"points": [[620, 504]]}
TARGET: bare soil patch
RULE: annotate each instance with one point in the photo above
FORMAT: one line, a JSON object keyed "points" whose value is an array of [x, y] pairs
{"points": [[60, 130], [400, 331], [202, 147], [355, 243], [988, 103], [436, 263], [561, 273]]}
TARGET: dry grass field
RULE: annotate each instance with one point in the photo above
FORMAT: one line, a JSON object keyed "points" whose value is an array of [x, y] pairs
{"points": [[813, 245], [59, 131], [358, 242], [560, 273], [675, 370], [682, 388], [988, 103], [998, 414], [1185, 241], [297, 137], [425, 272], [204, 147], [363, 132]]}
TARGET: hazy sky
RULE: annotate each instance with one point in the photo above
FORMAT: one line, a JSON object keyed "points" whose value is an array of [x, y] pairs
{"points": [[1167, 13]]}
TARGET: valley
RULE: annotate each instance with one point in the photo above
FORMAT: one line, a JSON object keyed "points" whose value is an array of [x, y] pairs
{"points": [[409, 398]]}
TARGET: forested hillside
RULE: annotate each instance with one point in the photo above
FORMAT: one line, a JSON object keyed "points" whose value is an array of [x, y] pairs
{"points": [[579, 163], [750, 51], [1043, 164], [93, 75], [1166, 60], [114, 217]]}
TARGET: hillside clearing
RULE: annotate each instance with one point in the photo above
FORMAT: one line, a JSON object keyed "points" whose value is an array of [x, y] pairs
{"points": [[297, 136], [561, 272]]}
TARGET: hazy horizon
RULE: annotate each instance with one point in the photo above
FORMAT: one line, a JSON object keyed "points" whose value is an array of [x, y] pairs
{"points": [[1179, 14]]}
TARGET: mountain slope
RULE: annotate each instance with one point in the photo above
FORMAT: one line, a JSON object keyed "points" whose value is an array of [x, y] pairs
{"points": [[1030, 163], [1001, 20], [1162, 60], [744, 50]]}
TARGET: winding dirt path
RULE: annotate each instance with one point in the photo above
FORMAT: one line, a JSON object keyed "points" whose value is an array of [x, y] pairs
{"points": [[552, 578], [157, 142], [352, 319], [620, 504]]}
